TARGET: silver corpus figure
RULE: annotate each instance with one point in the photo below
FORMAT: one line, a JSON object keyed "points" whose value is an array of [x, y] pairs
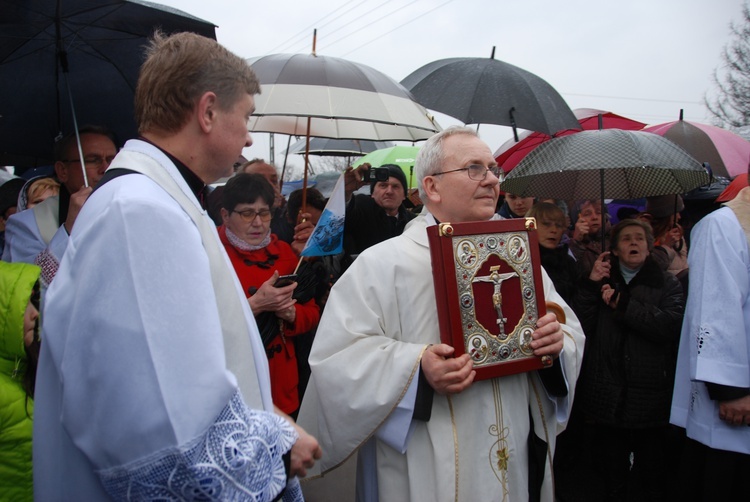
{"points": [[497, 297]]}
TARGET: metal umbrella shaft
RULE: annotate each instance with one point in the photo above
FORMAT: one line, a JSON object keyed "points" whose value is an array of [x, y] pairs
{"points": [[62, 58]]}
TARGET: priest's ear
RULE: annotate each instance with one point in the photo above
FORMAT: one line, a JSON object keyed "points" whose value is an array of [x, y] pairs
{"points": [[432, 189]]}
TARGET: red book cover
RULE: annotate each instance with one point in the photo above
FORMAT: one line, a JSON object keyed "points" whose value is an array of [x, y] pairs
{"points": [[488, 287]]}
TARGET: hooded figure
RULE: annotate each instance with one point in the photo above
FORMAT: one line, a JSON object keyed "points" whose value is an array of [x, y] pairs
{"points": [[17, 282]]}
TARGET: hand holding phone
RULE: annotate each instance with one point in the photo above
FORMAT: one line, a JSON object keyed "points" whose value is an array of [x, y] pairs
{"points": [[285, 280]]}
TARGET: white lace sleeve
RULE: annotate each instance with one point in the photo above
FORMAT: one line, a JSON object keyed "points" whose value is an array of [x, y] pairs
{"points": [[239, 457]]}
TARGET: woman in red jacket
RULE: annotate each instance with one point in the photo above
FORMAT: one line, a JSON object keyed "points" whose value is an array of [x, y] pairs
{"points": [[259, 258]]}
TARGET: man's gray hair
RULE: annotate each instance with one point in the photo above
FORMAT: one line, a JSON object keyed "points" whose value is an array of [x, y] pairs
{"points": [[431, 156]]}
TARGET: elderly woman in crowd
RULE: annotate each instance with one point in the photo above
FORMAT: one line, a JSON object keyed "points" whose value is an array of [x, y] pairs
{"points": [[259, 258], [631, 311]]}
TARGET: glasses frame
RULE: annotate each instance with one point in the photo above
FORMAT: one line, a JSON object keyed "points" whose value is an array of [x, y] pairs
{"points": [[256, 214], [96, 161], [495, 170]]}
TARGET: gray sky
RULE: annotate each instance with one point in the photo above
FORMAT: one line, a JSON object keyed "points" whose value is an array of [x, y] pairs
{"points": [[644, 59]]}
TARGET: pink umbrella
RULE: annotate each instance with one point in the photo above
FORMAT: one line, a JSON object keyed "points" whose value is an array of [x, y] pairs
{"points": [[727, 153], [512, 152]]}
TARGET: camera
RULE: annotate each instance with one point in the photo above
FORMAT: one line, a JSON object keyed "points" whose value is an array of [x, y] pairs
{"points": [[376, 174]]}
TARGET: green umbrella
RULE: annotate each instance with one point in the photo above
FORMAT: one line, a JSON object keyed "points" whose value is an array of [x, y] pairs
{"points": [[402, 156]]}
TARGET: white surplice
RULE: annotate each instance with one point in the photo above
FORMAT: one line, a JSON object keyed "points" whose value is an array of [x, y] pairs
{"points": [[715, 339], [378, 320], [135, 390]]}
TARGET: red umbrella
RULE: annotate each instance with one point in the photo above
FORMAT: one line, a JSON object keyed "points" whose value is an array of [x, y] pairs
{"points": [[731, 191], [727, 153], [511, 152]]}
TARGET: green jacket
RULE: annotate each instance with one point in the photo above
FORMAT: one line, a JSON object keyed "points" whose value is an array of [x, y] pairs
{"points": [[16, 283]]}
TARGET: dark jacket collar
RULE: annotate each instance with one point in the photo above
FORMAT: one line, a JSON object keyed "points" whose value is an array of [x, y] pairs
{"points": [[650, 274]]}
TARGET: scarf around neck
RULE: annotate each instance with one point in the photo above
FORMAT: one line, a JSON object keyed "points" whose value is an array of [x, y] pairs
{"points": [[244, 246]]}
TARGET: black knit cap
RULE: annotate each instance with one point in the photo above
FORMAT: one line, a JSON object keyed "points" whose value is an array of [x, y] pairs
{"points": [[394, 171]]}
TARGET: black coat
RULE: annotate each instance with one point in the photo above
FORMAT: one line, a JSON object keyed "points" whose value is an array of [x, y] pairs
{"points": [[562, 269], [631, 351], [367, 224]]}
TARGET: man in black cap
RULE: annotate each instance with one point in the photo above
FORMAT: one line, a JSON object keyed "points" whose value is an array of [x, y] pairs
{"points": [[373, 218]]}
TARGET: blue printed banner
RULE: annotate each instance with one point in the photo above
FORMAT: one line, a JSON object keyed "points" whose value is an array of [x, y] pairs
{"points": [[328, 236]]}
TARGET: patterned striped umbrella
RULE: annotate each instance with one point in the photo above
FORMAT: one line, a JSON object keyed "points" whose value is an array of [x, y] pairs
{"points": [[611, 164], [512, 152], [606, 164], [328, 97]]}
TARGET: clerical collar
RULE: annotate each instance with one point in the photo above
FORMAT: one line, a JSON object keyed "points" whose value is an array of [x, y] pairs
{"points": [[195, 184]]}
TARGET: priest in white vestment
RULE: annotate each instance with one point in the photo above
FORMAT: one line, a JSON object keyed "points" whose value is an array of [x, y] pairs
{"points": [[384, 386], [711, 399], [153, 383]]}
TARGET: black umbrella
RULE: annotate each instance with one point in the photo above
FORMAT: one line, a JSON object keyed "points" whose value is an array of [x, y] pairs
{"points": [[606, 164], [488, 91], [68, 62]]}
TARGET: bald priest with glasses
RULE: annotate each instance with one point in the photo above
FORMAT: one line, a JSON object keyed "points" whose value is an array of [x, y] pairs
{"points": [[384, 385], [40, 235]]}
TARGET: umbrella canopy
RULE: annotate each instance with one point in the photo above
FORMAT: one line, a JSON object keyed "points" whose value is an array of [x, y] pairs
{"points": [[488, 91], [402, 156], [327, 147], [727, 153], [327, 97], [610, 163], [731, 191], [94, 45], [512, 152]]}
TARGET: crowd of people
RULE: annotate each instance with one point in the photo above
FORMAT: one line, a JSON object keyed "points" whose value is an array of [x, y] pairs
{"points": [[185, 350]]}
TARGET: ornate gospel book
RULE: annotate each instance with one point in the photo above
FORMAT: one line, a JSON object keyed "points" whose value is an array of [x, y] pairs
{"points": [[488, 286]]}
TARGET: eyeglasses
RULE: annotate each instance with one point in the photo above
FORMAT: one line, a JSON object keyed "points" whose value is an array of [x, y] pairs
{"points": [[93, 160], [477, 172], [248, 215]]}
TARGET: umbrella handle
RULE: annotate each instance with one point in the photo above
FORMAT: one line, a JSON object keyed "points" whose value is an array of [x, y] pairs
{"points": [[513, 123]]}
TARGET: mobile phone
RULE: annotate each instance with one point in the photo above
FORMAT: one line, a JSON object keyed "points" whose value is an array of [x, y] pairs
{"points": [[285, 280]]}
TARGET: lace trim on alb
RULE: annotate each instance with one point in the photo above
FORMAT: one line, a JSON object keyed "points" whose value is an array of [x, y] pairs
{"points": [[238, 458]]}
